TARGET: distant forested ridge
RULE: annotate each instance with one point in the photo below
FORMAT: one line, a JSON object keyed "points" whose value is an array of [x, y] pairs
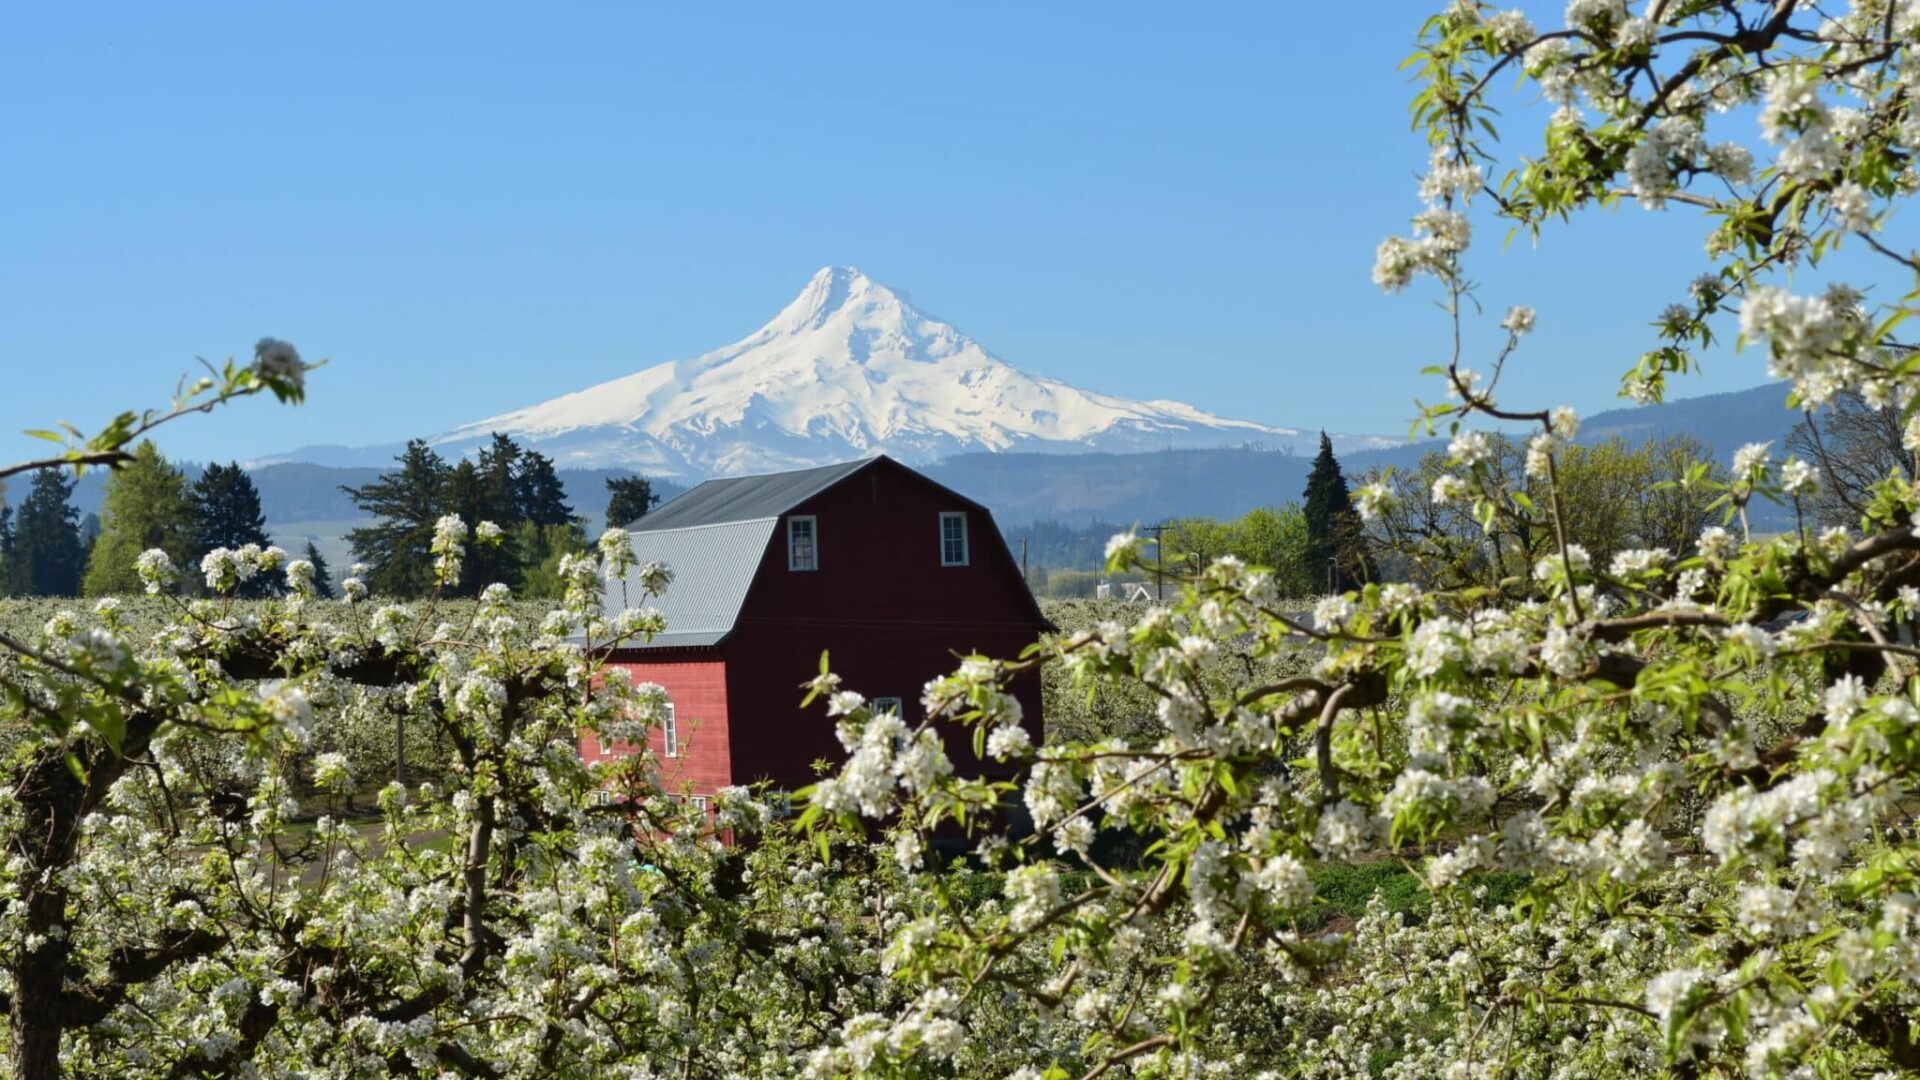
{"points": [[1078, 491]]}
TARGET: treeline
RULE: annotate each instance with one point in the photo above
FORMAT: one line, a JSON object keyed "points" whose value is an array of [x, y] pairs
{"points": [[1614, 496], [1312, 544], [46, 550], [1617, 496], [514, 487]]}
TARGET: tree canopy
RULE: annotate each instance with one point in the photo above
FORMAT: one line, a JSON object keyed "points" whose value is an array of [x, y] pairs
{"points": [[145, 507], [629, 498], [515, 489], [48, 556], [1336, 547]]}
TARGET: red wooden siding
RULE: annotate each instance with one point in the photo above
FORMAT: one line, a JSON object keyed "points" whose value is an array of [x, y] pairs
{"points": [[698, 689], [774, 739], [882, 604]]}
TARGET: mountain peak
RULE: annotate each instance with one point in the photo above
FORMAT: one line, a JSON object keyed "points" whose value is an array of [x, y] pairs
{"points": [[832, 289], [848, 368]]}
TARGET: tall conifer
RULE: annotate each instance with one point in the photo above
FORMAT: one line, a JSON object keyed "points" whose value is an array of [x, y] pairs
{"points": [[227, 514], [1336, 551], [407, 502], [322, 576], [10, 584], [146, 507], [47, 538]]}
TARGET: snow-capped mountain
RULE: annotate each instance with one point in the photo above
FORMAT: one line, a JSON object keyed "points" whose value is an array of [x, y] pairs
{"points": [[848, 369]]}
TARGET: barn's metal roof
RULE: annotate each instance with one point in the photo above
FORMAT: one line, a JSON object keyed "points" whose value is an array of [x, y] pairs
{"points": [[713, 538], [745, 498], [712, 566]]}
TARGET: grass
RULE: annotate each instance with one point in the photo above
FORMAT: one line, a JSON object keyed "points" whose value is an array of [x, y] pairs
{"points": [[1343, 890]]}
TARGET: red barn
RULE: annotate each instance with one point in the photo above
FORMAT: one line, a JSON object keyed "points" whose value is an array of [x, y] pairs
{"points": [[890, 573]]}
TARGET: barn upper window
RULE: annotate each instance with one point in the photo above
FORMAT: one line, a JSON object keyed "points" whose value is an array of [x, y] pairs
{"points": [[669, 730], [953, 539], [803, 543]]}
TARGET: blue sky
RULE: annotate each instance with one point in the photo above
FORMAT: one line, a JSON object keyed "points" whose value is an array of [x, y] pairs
{"points": [[469, 208]]}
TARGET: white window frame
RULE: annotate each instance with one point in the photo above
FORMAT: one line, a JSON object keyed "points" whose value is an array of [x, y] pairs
{"points": [[882, 704], [813, 537], [965, 550], [669, 732], [699, 801]]}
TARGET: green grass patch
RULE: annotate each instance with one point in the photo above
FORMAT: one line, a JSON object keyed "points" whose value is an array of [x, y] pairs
{"points": [[1346, 889]]}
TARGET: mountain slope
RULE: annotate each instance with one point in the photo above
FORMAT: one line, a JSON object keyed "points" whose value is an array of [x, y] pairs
{"points": [[1724, 422], [848, 369]]}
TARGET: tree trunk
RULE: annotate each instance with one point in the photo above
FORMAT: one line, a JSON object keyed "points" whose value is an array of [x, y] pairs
{"points": [[39, 974], [49, 797], [53, 800]]}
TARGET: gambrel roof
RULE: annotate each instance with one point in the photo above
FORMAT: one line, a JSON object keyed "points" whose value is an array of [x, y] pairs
{"points": [[713, 539], [747, 498], [712, 567]]}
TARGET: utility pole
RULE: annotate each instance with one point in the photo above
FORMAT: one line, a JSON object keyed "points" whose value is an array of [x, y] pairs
{"points": [[1159, 575], [1024, 576], [1331, 567]]}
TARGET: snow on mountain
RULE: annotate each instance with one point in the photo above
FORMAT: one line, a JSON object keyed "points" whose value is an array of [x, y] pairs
{"points": [[848, 369]]}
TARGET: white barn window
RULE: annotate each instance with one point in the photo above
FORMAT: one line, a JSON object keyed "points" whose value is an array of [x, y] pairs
{"points": [[669, 730], [953, 539]]}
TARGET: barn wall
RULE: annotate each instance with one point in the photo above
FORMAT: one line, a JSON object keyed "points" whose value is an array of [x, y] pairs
{"points": [[698, 689], [891, 616], [774, 739]]}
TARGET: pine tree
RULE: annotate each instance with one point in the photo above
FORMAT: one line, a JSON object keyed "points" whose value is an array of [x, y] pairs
{"points": [[226, 514], [630, 498], [473, 492], [146, 507], [539, 496], [1336, 549], [496, 493], [407, 502], [47, 538], [322, 579], [10, 584]]}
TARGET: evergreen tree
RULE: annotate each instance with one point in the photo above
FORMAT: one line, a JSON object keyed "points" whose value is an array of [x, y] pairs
{"points": [[322, 579], [495, 494], [474, 492], [406, 502], [540, 497], [226, 514], [146, 507], [47, 538], [630, 498], [515, 488], [1336, 550], [9, 558]]}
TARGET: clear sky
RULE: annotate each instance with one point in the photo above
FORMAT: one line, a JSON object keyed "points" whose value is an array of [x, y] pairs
{"points": [[472, 207]]}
